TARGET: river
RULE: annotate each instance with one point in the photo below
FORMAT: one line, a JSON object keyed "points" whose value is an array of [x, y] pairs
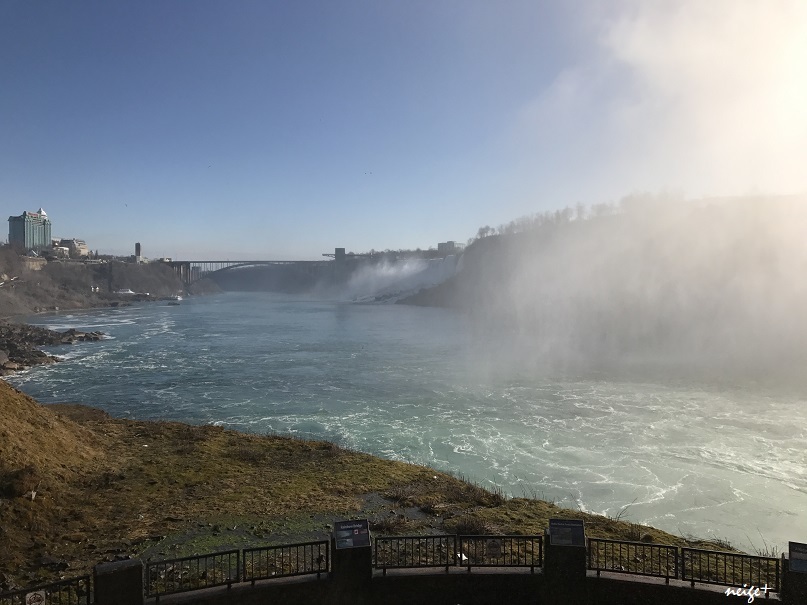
{"points": [[421, 385]]}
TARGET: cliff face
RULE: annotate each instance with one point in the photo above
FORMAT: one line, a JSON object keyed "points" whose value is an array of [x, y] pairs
{"points": [[486, 271], [28, 289], [715, 283]]}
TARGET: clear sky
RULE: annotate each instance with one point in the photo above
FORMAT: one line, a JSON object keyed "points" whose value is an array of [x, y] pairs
{"points": [[280, 130]]}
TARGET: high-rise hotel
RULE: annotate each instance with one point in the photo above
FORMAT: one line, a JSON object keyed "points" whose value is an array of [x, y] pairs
{"points": [[29, 231]]}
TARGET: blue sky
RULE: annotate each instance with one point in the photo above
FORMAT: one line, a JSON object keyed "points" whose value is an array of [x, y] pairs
{"points": [[280, 130]]}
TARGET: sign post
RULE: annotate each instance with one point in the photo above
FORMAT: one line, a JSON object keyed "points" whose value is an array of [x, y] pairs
{"points": [[565, 558], [352, 555], [794, 578], [119, 583]]}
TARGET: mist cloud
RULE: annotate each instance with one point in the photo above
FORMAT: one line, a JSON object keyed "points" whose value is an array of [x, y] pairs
{"points": [[707, 97], [713, 286]]}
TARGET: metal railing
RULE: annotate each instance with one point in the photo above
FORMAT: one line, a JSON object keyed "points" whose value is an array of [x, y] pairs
{"points": [[286, 560], [636, 558], [396, 552], [410, 552], [192, 573], [390, 552], [729, 569], [73, 591], [501, 551]]}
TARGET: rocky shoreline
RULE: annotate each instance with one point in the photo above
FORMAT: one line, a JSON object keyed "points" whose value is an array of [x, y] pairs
{"points": [[19, 345]]}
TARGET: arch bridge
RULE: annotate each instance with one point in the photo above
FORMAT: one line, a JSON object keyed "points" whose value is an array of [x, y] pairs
{"points": [[193, 270]]}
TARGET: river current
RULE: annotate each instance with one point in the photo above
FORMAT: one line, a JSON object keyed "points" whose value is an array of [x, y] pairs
{"points": [[420, 385]]}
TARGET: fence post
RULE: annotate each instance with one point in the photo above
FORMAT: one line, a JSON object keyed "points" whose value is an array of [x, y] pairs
{"points": [[564, 563], [352, 571], [119, 583], [794, 584], [565, 571]]}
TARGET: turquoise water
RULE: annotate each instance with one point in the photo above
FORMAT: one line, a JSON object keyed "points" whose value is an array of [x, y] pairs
{"points": [[422, 385]]}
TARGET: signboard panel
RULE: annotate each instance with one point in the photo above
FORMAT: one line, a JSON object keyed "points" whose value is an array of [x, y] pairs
{"points": [[798, 557], [35, 598], [567, 532], [351, 534]]}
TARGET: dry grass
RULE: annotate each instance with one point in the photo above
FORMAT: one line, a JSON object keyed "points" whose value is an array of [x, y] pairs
{"points": [[391, 525], [471, 525]]}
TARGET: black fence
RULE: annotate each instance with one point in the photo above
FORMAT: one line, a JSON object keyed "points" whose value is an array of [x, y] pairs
{"points": [[689, 564], [637, 558], [398, 552], [729, 569], [286, 560], [192, 573], [411, 552], [250, 565], [233, 566], [501, 551], [75, 591]]}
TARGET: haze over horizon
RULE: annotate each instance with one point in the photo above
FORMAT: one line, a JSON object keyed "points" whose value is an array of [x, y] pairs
{"points": [[282, 130]]}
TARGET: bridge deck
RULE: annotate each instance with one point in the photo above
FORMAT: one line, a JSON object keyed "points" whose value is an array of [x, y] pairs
{"points": [[190, 271]]}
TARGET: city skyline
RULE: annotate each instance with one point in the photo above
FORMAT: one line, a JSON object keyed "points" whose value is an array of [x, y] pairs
{"points": [[283, 130]]}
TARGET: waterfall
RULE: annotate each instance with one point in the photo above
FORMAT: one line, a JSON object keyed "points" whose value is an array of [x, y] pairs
{"points": [[390, 281]]}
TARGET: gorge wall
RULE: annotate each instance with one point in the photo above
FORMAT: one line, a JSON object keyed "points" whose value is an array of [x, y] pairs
{"points": [[712, 284], [30, 288]]}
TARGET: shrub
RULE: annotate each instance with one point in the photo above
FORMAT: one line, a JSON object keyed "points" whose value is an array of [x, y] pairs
{"points": [[19, 482], [391, 524]]}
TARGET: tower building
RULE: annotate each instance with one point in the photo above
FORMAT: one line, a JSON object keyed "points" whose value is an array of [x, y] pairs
{"points": [[29, 231]]}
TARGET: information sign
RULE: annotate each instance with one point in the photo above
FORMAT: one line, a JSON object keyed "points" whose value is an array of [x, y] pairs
{"points": [[351, 534], [567, 532], [35, 598], [798, 557]]}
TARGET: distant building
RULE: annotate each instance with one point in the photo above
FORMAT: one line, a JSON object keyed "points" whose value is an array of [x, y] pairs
{"points": [[29, 231], [77, 247], [449, 247]]}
